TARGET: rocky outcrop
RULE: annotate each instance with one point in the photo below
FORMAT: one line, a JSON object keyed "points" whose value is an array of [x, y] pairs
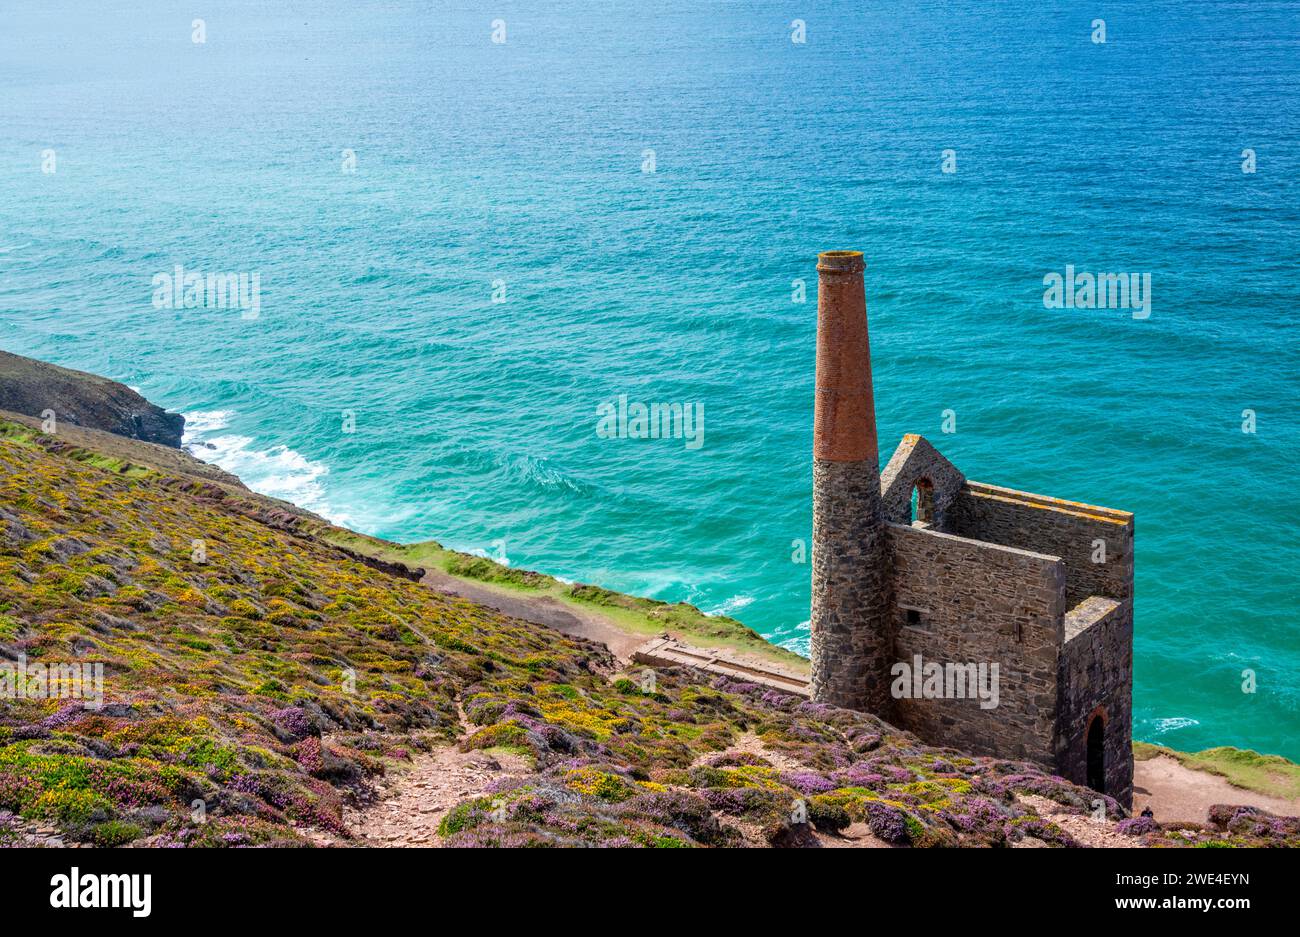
{"points": [[33, 387]]}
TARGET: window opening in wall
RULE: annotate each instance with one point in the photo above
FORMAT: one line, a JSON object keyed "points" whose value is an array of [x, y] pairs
{"points": [[923, 502]]}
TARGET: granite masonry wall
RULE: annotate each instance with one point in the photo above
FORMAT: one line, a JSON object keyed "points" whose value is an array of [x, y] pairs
{"points": [[1059, 528], [963, 601], [852, 634], [1096, 681], [916, 461]]}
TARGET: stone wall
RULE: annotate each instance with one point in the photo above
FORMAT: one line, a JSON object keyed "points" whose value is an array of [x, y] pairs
{"points": [[962, 601], [916, 460], [1058, 528], [851, 630], [997, 576], [1097, 678]]}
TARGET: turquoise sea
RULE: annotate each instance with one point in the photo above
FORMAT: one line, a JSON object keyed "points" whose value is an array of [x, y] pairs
{"points": [[523, 162]]}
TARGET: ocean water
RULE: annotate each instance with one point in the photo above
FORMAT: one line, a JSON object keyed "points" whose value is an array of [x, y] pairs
{"points": [[482, 164]]}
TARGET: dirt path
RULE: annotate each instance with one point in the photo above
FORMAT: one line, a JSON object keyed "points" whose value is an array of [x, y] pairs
{"points": [[542, 610], [413, 800], [1174, 792], [1084, 829], [413, 803], [1178, 793]]}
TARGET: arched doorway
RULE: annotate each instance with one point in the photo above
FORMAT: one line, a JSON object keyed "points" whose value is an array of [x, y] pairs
{"points": [[1097, 753]]}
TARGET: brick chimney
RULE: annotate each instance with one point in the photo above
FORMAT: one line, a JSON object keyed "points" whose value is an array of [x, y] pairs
{"points": [[852, 642]]}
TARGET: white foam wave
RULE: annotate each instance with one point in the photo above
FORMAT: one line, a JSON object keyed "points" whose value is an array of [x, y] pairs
{"points": [[278, 472], [801, 641], [497, 555], [202, 422], [538, 471], [730, 606]]}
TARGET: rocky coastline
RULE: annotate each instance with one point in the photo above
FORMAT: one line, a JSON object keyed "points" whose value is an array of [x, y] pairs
{"points": [[37, 389]]}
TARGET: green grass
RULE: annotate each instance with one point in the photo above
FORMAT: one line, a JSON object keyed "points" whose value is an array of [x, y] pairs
{"points": [[111, 464], [632, 614], [1266, 774], [26, 436], [427, 554], [17, 433]]}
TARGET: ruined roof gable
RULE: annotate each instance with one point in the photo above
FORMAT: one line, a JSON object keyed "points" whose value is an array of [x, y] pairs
{"points": [[915, 460]]}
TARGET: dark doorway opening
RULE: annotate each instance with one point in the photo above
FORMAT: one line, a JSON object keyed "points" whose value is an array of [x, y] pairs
{"points": [[1097, 754]]}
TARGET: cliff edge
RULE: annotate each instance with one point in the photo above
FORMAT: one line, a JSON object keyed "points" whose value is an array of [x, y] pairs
{"points": [[33, 387]]}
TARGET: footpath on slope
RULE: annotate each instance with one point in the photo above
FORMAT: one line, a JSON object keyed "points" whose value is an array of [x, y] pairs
{"points": [[629, 647], [1175, 792]]}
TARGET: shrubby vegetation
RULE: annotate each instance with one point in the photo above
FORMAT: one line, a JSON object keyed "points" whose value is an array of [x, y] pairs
{"points": [[253, 691]]}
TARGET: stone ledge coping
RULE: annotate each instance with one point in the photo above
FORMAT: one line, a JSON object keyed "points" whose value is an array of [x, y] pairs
{"points": [[1107, 515], [668, 652], [1047, 558], [1093, 609]]}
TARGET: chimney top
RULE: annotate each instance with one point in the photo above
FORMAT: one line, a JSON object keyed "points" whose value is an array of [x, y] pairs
{"points": [[840, 262]]}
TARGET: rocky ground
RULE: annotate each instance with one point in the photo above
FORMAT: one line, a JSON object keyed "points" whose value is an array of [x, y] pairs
{"points": [[33, 387]]}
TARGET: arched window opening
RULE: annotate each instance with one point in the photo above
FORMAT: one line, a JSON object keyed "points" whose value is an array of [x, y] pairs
{"points": [[923, 503]]}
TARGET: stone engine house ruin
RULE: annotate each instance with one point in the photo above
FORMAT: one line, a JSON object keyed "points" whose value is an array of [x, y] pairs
{"points": [[920, 561]]}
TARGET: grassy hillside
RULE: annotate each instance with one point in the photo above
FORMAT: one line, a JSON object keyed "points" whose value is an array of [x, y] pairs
{"points": [[1268, 774], [637, 616], [645, 617], [257, 678]]}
